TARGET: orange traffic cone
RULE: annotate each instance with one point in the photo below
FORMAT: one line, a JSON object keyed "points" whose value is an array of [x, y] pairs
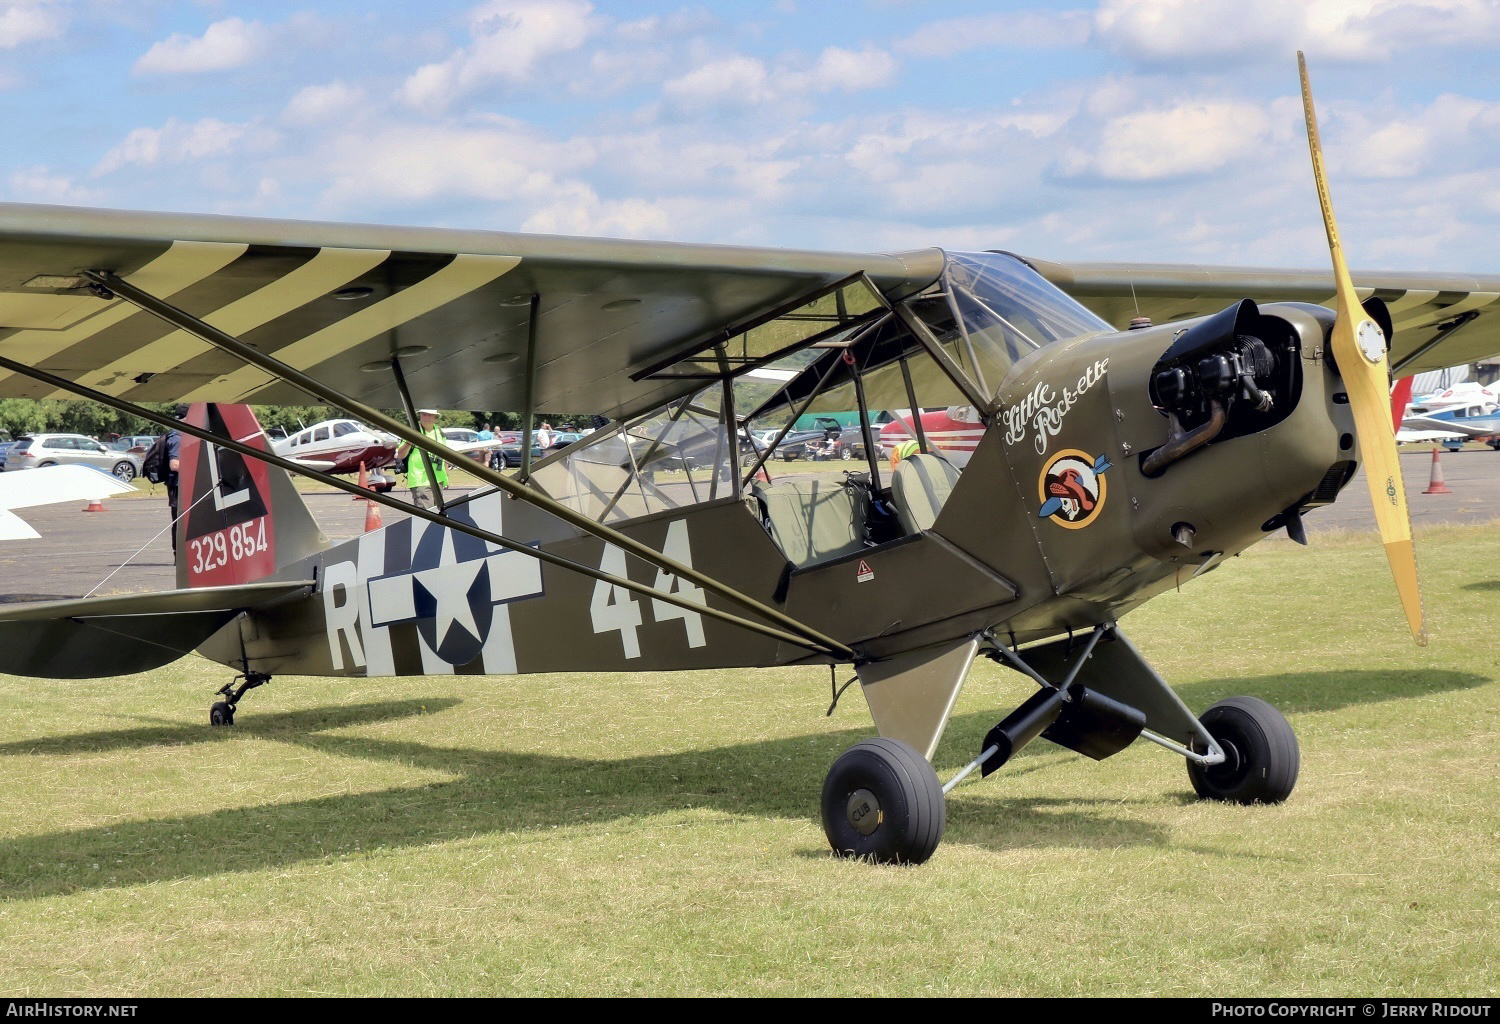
{"points": [[96, 505], [364, 483], [1435, 484], [372, 516]]}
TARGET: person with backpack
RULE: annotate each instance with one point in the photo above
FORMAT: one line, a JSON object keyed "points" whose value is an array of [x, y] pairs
{"points": [[161, 464]]}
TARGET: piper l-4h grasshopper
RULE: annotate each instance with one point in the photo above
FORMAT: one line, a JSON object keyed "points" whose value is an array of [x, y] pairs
{"points": [[1112, 465]]}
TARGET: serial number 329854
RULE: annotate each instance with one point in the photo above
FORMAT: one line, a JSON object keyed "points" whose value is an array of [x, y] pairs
{"points": [[218, 549]]}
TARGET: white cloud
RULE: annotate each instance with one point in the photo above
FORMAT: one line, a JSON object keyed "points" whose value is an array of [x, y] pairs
{"points": [[509, 39], [41, 184], [316, 103], [224, 45], [503, 162], [25, 21], [841, 70], [1188, 139], [579, 211], [739, 81], [683, 162], [173, 142], [1002, 30], [1198, 31], [736, 80], [1451, 130]]}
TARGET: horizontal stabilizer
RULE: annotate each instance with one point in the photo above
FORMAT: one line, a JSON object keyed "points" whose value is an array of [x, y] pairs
{"points": [[114, 636]]}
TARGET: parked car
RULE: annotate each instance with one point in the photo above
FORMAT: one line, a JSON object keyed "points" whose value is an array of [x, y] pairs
{"points": [[41, 450], [508, 456], [138, 443], [464, 436], [799, 444]]}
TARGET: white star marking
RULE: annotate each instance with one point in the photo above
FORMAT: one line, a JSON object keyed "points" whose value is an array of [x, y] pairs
{"points": [[449, 584], [393, 598]]}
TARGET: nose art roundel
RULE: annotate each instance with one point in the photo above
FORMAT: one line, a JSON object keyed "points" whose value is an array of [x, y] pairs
{"points": [[1071, 488]]}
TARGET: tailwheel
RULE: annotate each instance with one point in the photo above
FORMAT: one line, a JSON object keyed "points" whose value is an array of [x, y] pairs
{"points": [[222, 711], [1261, 756], [883, 802]]}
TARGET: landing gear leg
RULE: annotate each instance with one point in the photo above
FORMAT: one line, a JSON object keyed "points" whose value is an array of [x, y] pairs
{"points": [[222, 711]]}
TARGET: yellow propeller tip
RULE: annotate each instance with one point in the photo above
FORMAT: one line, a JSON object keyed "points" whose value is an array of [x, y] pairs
{"points": [[1421, 638]]}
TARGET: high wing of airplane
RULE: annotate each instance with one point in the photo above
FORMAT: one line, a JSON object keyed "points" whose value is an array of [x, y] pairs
{"points": [[1438, 320], [1476, 428], [1110, 466], [56, 484]]}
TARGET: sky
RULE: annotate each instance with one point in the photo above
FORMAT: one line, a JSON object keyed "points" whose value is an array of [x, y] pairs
{"points": [[1137, 130]]}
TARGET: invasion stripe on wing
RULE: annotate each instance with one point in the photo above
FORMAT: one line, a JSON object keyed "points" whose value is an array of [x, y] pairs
{"points": [[465, 273], [330, 269], [182, 265], [1475, 300]]}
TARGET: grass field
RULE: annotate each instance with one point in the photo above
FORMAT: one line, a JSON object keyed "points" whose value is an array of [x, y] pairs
{"points": [[620, 834]]}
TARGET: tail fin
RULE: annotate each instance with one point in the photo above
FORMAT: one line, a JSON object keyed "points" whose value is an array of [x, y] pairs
{"points": [[240, 519], [1400, 400]]}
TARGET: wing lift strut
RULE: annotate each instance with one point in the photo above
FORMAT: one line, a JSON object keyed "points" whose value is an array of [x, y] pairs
{"points": [[776, 625]]}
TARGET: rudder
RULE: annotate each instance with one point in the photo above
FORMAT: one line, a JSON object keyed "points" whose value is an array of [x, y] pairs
{"points": [[240, 519]]}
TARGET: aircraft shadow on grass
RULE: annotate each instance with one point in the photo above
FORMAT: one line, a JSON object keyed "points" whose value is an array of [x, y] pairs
{"points": [[498, 791], [1296, 693]]}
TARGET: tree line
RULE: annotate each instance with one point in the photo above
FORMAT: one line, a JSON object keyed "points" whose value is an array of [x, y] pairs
{"points": [[20, 416]]}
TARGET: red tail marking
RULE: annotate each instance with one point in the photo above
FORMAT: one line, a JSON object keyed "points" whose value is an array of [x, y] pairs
{"points": [[225, 500]]}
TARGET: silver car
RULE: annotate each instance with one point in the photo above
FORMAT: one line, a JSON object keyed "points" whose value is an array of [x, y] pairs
{"points": [[39, 450]]}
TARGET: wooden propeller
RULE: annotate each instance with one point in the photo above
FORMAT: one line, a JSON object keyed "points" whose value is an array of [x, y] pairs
{"points": [[1359, 347]]}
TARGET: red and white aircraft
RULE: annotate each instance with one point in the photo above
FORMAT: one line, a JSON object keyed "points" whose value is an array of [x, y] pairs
{"points": [[342, 446], [952, 432]]}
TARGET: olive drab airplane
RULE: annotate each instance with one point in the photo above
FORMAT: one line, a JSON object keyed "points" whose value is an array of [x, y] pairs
{"points": [[1110, 465]]}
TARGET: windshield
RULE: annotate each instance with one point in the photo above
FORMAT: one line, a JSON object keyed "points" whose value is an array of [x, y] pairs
{"points": [[996, 309], [989, 311]]}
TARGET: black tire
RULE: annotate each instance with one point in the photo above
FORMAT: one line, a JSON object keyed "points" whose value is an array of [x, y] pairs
{"points": [[124, 471], [890, 780], [221, 713], [1261, 750], [847, 454], [44, 465]]}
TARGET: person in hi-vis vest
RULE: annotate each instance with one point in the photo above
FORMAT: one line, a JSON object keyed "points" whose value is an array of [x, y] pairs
{"points": [[416, 467]]}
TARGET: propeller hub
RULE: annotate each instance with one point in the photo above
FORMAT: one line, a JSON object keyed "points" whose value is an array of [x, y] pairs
{"points": [[1371, 341]]}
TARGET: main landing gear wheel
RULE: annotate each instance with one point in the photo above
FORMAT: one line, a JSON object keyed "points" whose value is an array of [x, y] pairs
{"points": [[222, 713], [883, 802], [1260, 751]]}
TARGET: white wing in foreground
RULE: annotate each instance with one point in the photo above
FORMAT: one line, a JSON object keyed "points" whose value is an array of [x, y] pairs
{"points": [[47, 487]]}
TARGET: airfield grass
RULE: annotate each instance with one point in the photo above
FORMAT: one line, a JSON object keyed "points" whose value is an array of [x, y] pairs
{"points": [[618, 834]]}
